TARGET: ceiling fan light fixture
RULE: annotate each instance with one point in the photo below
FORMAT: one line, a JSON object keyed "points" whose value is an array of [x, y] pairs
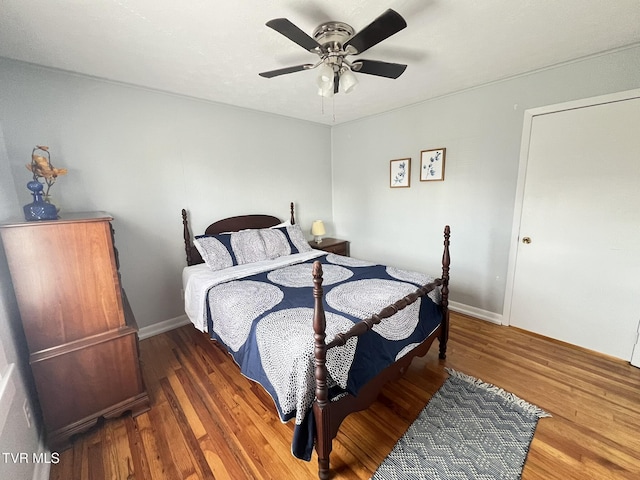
{"points": [[348, 81], [326, 90], [325, 74], [333, 42], [325, 80]]}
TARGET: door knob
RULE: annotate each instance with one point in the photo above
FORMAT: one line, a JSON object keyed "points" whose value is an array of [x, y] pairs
{"points": [[526, 240]]}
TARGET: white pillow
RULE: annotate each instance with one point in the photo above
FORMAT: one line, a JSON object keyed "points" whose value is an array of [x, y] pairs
{"points": [[283, 224]]}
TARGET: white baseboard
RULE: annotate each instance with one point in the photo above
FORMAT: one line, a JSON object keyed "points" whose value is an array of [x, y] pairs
{"points": [[635, 356], [7, 392], [161, 327], [42, 469], [476, 312], [166, 325]]}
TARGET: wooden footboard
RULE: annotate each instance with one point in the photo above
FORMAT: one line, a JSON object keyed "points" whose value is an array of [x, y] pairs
{"points": [[329, 415]]}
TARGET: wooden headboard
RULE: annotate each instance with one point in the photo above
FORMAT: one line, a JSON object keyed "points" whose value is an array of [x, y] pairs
{"points": [[230, 224]]}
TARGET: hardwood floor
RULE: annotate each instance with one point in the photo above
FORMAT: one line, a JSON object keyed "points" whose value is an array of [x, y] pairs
{"points": [[208, 421]]}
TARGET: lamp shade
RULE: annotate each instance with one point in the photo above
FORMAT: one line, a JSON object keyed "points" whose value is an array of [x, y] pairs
{"points": [[348, 80], [317, 228], [325, 81], [326, 90], [325, 74]]}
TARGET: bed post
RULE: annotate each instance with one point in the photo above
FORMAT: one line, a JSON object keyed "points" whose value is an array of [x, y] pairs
{"points": [[446, 260], [293, 218], [187, 236], [321, 404]]}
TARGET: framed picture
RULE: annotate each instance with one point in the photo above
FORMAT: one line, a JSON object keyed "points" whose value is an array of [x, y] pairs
{"points": [[432, 164], [400, 173]]}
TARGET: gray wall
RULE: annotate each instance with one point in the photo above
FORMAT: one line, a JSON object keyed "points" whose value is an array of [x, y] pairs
{"points": [[142, 156], [481, 130], [16, 436]]}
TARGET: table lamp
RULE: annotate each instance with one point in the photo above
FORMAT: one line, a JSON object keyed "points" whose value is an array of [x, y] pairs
{"points": [[317, 230]]}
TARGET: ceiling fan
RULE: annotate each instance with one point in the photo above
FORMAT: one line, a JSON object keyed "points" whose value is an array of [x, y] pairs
{"points": [[333, 42]]}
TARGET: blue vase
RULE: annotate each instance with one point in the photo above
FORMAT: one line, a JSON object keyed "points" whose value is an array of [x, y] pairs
{"points": [[39, 209]]}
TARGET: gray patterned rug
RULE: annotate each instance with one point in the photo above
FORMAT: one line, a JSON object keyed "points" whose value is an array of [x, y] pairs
{"points": [[468, 430]]}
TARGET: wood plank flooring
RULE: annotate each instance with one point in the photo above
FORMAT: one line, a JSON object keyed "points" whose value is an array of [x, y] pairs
{"points": [[208, 421]]}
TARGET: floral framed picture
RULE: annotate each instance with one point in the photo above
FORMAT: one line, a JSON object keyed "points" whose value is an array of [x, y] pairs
{"points": [[432, 164], [400, 173]]}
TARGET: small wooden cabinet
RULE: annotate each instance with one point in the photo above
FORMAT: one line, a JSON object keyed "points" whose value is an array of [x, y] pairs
{"points": [[332, 245], [81, 333]]}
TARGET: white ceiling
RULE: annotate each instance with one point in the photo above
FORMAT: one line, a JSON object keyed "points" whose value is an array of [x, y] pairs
{"points": [[214, 49]]}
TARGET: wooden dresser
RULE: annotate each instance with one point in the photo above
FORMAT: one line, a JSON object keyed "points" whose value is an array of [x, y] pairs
{"points": [[81, 333]]}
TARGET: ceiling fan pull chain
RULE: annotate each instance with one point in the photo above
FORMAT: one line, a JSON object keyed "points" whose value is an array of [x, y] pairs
{"points": [[333, 104]]}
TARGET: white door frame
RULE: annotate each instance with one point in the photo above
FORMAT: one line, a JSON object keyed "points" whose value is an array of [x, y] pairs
{"points": [[529, 115]]}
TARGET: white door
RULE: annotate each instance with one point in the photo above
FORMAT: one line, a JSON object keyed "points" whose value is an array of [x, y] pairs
{"points": [[576, 268]]}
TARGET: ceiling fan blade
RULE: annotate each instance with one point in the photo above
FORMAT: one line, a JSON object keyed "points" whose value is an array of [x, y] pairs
{"points": [[283, 71], [293, 33], [387, 24], [381, 69]]}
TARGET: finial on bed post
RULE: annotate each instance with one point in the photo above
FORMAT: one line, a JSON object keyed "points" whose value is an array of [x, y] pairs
{"points": [[320, 406], [293, 218], [187, 236], [446, 261]]}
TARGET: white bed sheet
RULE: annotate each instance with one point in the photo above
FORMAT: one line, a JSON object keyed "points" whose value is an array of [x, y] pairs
{"points": [[198, 279]]}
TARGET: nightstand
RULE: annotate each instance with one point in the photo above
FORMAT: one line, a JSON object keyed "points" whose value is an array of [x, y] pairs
{"points": [[332, 245]]}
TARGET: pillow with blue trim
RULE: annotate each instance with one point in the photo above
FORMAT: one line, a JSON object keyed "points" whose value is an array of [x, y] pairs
{"points": [[216, 251], [295, 238], [248, 246], [276, 242]]}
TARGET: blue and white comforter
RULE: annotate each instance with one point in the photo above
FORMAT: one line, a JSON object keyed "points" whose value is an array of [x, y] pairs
{"points": [[265, 320]]}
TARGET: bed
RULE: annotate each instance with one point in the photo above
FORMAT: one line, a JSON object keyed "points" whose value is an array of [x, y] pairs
{"points": [[321, 333]]}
